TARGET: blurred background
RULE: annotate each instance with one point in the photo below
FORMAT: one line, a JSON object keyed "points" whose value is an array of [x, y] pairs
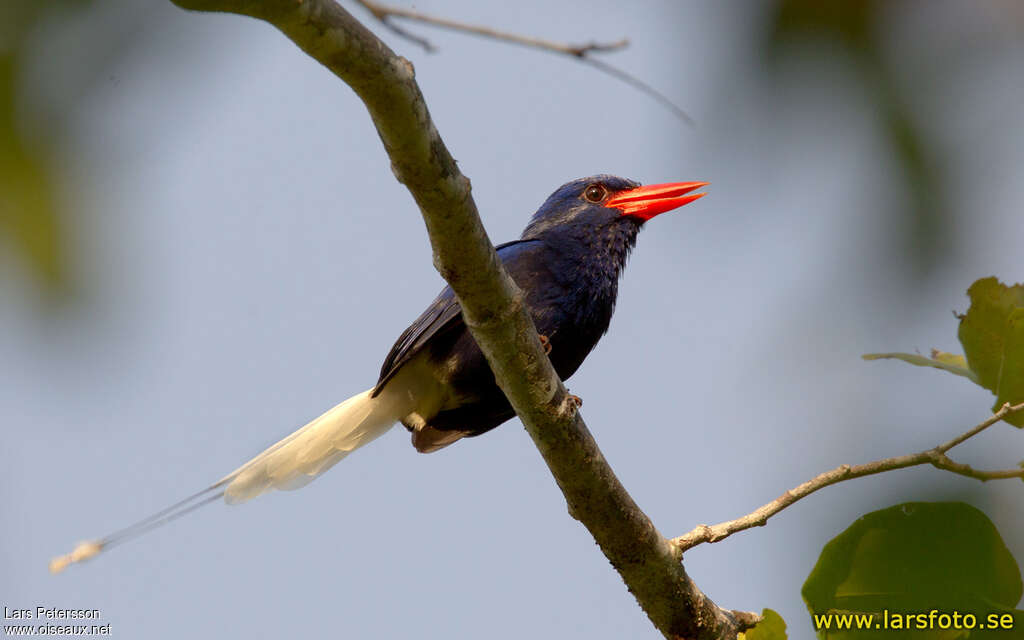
{"points": [[202, 246]]}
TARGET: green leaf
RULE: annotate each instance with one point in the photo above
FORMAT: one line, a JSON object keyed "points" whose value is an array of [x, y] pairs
{"points": [[940, 360], [992, 334], [29, 220], [949, 358], [771, 627], [910, 559]]}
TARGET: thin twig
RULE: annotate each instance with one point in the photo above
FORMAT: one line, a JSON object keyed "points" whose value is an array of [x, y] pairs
{"points": [[384, 14], [408, 35], [1004, 411], [936, 457], [941, 461], [640, 85]]}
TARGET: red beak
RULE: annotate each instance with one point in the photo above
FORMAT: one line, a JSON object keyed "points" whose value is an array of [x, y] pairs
{"points": [[650, 200]]}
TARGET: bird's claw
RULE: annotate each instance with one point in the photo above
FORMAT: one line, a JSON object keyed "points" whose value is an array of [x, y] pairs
{"points": [[545, 343], [571, 404]]}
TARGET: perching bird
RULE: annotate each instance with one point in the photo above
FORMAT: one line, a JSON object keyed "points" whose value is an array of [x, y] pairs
{"points": [[435, 380]]}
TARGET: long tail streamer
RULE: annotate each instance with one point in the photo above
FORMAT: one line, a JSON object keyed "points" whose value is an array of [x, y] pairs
{"points": [[288, 464]]}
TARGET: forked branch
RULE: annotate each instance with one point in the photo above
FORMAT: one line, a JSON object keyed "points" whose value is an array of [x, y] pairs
{"points": [[936, 456], [385, 13]]}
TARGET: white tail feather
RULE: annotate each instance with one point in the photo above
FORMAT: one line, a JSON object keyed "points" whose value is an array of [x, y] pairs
{"points": [[291, 463], [302, 456]]}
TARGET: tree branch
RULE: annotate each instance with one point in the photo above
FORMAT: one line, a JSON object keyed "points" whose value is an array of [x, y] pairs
{"points": [[384, 14], [936, 457], [494, 311]]}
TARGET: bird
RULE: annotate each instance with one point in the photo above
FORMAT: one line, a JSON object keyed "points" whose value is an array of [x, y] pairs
{"points": [[435, 380]]}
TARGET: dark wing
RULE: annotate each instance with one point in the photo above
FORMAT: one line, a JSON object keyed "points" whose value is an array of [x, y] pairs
{"points": [[442, 316]]}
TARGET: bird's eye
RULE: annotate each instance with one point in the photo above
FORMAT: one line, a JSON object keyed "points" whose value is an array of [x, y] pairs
{"points": [[595, 193]]}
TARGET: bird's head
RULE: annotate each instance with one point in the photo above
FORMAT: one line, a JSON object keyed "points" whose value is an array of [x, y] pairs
{"points": [[603, 200]]}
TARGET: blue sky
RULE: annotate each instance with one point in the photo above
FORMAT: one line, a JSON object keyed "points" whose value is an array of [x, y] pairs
{"points": [[246, 259]]}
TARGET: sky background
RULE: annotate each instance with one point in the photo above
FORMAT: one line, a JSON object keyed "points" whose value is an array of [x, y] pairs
{"points": [[241, 259]]}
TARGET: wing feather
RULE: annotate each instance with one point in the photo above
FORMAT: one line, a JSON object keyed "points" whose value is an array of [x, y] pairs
{"points": [[442, 316]]}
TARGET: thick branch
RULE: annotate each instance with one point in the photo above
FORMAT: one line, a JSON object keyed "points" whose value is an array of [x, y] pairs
{"points": [[936, 457], [494, 310]]}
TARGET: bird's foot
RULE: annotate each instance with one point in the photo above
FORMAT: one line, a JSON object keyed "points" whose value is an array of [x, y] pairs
{"points": [[571, 405], [544, 342]]}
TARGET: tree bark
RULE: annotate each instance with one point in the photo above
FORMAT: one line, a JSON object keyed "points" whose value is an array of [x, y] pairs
{"points": [[494, 311]]}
